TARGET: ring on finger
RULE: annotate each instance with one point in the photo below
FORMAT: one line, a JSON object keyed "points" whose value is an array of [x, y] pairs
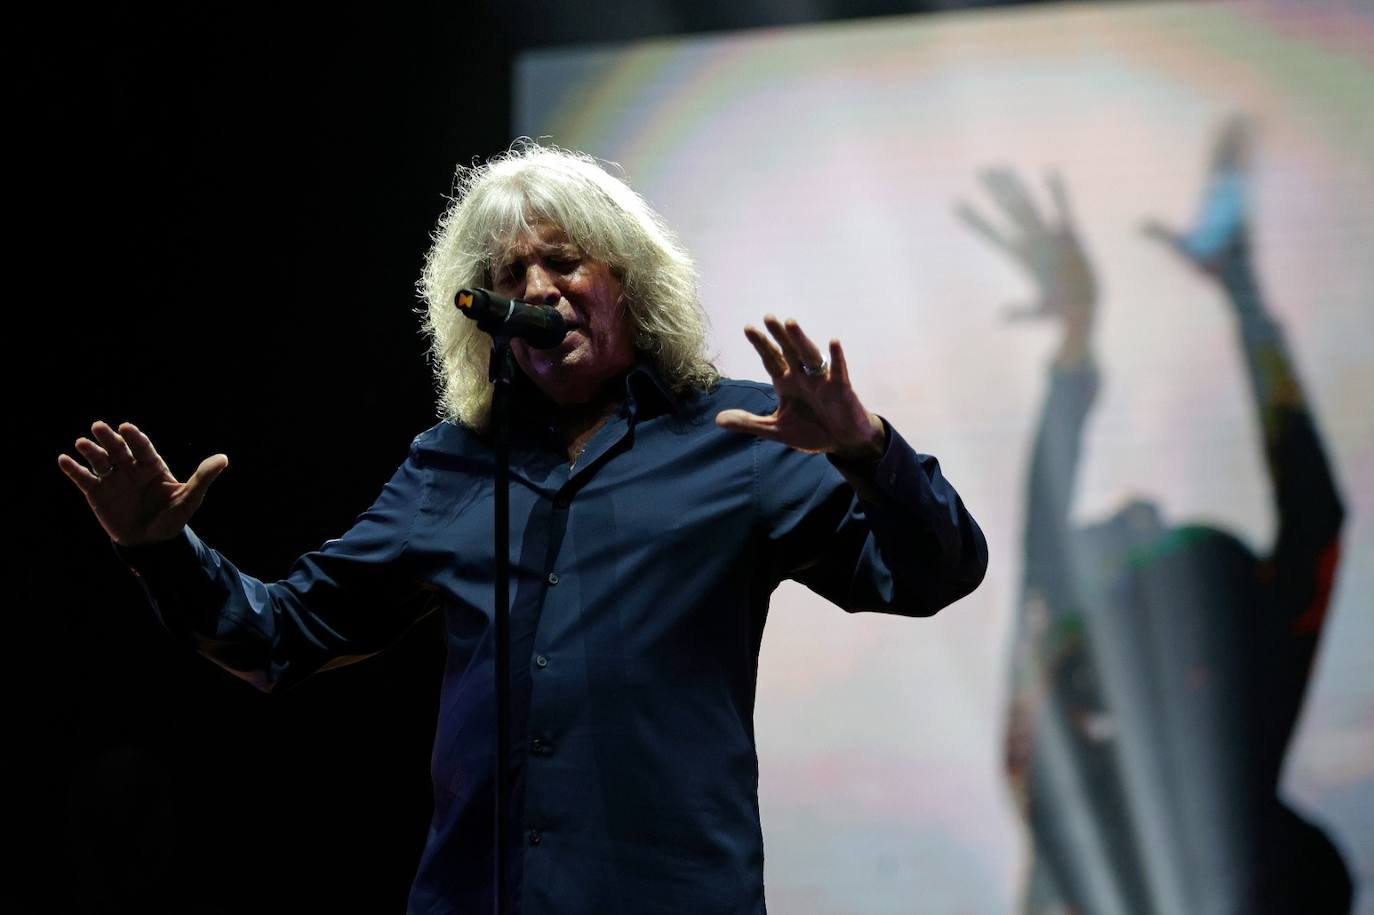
{"points": [[102, 474], [813, 371]]}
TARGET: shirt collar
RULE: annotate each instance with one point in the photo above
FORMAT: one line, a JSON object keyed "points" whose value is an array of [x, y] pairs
{"points": [[646, 394], [644, 389]]}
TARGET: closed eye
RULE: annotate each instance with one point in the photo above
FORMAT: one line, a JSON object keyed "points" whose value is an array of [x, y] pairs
{"points": [[507, 276]]}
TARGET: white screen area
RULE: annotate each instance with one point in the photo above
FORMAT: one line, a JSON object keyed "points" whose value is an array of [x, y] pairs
{"points": [[815, 172]]}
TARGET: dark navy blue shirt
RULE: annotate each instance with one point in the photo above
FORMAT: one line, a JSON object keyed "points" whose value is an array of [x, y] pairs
{"points": [[640, 584]]}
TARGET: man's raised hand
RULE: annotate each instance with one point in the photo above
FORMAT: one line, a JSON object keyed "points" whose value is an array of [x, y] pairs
{"points": [[129, 488], [818, 410]]}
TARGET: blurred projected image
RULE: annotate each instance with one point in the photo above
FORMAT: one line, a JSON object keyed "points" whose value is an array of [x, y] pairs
{"points": [[1167, 437], [1158, 670]]}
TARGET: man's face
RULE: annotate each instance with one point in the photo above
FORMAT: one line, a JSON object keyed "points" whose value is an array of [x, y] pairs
{"points": [[546, 268]]}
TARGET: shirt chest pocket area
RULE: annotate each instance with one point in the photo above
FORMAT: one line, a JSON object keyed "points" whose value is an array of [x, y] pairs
{"points": [[660, 530]]}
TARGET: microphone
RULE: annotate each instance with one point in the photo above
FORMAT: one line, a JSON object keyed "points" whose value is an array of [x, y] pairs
{"points": [[540, 326]]}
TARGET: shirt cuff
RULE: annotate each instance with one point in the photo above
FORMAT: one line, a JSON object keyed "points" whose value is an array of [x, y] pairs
{"points": [[152, 558], [867, 475]]}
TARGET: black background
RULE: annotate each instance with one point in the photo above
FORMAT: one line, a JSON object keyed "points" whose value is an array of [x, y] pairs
{"points": [[222, 212]]}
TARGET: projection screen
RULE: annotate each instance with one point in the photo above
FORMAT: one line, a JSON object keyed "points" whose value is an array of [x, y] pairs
{"points": [[911, 186]]}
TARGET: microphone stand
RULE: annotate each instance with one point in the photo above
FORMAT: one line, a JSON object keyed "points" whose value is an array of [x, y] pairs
{"points": [[542, 326], [501, 372]]}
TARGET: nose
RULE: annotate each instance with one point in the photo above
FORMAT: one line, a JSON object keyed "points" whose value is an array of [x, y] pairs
{"points": [[540, 286]]}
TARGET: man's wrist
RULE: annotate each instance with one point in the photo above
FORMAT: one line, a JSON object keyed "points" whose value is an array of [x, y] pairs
{"points": [[862, 470], [870, 449], [151, 554]]}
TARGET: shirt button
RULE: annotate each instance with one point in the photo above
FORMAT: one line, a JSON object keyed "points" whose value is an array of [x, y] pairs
{"points": [[560, 503], [538, 745], [553, 578], [536, 837], [541, 661]]}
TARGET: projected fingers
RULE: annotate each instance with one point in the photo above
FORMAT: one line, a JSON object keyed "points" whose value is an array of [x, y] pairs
{"points": [[1006, 188]]}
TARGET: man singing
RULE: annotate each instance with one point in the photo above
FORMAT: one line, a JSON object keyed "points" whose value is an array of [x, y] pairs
{"points": [[654, 507]]}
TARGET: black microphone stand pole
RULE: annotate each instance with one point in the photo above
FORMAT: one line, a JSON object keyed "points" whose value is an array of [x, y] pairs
{"points": [[501, 372]]}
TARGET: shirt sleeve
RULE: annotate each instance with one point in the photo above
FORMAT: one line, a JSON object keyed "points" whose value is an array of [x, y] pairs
{"points": [[896, 540], [339, 604]]}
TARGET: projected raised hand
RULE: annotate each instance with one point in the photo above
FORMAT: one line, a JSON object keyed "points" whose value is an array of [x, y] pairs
{"points": [[1218, 241], [1049, 251], [129, 487]]}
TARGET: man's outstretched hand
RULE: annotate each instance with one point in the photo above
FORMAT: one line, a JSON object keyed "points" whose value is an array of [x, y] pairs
{"points": [[818, 410], [132, 493]]}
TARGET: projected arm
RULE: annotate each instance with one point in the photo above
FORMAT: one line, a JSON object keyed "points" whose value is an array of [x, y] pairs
{"points": [[1066, 292], [1301, 569], [1309, 506]]}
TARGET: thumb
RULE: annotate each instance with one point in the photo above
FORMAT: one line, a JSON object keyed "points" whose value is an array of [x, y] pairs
{"points": [[208, 471], [743, 421]]}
